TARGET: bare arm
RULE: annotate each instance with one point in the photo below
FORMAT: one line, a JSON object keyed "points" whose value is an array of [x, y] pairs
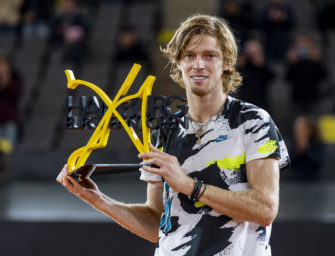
{"points": [[141, 219], [257, 204]]}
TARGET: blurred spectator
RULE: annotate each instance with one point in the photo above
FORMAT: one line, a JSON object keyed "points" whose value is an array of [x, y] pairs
{"points": [[325, 19], [36, 16], [256, 74], [309, 152], [69, 29], [9, 15], [10, 90], [240, 17], [129, 48], [90, 5], [305, 73], [278, 19]]}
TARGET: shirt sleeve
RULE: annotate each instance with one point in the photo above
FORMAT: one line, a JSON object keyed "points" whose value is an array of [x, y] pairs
{"points": [[263, 140]]}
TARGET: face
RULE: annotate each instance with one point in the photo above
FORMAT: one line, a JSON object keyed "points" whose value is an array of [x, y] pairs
{"points": [[302, 128], [201, 65], [4, 67]]}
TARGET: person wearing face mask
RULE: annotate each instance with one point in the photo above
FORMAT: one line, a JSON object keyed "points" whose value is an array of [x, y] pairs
{"points": [[305, 74]]}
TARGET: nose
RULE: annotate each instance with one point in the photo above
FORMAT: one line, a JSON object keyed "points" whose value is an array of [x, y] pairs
{"points": [[198, 64]]}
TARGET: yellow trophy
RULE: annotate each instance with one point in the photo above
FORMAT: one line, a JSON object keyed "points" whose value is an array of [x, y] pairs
{"points": [[100, 136], [76, 161]]}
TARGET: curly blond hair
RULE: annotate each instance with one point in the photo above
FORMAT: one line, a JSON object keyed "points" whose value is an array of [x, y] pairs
{"points": [[205, 25]]}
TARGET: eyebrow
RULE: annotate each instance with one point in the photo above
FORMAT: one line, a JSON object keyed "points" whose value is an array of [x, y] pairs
{"points": [[210, 51]]}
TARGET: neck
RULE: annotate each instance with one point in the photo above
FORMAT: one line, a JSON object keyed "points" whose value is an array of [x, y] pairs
{"points": [[203, 108]]}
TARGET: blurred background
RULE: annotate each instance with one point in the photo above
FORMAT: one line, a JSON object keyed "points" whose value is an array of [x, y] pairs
{"points": [[286, 59]]}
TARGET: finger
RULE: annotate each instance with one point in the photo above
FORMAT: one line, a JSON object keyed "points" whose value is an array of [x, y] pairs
{"points": [[73, 181], [158, 152], [66, 183], [72, 185], [154, 162], [58, 178], [147, 155], [153, 148], [151, 169], [84, 182], [60, 175]]}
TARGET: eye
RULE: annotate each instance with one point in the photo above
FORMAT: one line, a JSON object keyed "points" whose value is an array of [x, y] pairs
{"points": [[188, 55], [208, 56]]}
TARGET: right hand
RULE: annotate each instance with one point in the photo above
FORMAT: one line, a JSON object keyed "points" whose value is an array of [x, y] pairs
{"points": [[85, 189]]}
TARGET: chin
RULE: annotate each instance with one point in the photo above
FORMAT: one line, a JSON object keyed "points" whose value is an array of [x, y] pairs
{"points": [[198, 91]]}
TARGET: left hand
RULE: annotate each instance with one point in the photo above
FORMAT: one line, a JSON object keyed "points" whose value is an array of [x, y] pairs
{"points": [[169, 168], [85, 189]]}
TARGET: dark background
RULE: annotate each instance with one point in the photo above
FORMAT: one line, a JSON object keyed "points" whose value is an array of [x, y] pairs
{"points": [[37, 215]]}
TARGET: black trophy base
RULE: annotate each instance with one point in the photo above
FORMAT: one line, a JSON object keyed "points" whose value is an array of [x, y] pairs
{"points": [[104, 169]]}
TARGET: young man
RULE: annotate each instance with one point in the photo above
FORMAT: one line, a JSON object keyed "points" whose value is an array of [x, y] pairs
{"points": [[215, 190]]}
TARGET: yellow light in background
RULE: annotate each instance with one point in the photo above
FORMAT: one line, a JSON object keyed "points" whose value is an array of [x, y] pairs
{"points": [[327, 127], [165, 35], [6, 146]]}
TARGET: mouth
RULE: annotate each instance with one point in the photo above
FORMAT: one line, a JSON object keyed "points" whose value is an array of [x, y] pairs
{"points": [[199, 78]]}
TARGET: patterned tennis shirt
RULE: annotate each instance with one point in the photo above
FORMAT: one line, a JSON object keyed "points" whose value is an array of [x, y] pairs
{"points": [[240, 133]]}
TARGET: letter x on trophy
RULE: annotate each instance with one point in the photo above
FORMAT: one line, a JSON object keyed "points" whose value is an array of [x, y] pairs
{"points": [[121, 112]]}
